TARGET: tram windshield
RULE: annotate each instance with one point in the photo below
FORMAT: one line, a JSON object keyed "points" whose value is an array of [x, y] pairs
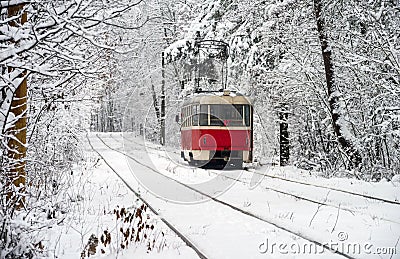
{"points": [[235, 115]]}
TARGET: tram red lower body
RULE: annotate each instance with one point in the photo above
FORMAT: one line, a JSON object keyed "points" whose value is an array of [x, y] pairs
{"points": [[216, 139]]}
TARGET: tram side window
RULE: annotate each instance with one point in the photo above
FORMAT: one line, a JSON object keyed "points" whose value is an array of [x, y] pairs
{"points": [[195, 116], [247, 115], [188, 119], [204, 115], [190, 115], [185, 117]]}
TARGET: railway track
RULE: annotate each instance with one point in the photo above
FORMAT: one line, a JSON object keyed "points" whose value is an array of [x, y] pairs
{"points": [[231, 206], [370, 197], [340, 207], [327, 188], [169, 225]]}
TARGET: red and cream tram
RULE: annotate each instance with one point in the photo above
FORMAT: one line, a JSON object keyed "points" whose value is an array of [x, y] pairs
{"points": [[216, 130]]}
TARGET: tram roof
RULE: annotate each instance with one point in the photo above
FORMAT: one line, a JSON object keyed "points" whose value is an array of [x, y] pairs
{"points": [[226, 97]]}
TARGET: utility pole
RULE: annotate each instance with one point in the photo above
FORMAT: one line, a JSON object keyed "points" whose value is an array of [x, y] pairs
{"points": [[162, 117], [17, 140]]}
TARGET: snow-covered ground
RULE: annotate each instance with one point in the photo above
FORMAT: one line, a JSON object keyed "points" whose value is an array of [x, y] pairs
{"points": [[96, 196], [225, 214]]}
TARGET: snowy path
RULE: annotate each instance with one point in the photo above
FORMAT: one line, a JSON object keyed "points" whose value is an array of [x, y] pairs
{"points": [[221, 227]]}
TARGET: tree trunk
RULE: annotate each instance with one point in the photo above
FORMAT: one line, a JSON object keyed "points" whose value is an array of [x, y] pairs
{"points": [[333, 92], [283, 135], [162, 118], [155, 103], [17, 133]]}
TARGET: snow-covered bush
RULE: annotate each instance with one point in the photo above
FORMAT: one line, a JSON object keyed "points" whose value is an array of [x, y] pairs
{"points": [[133, 227]]}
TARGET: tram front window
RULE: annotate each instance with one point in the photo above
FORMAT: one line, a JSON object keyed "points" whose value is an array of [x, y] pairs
{"points": [[225, 115]]}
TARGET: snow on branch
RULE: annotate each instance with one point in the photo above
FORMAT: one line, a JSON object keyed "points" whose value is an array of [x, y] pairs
{"points": [[178, 49], [11, 3]]}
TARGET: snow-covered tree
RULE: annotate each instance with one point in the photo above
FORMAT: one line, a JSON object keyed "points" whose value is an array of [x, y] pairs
{"points": [[58, 49], [346, 120]]}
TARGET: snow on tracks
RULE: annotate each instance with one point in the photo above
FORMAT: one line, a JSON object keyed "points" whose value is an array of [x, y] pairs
{"points": [[299, 233]]}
